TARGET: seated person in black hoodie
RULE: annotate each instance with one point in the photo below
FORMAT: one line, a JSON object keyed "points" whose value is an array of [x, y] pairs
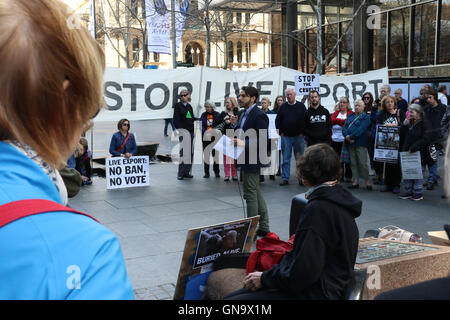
{"points": [[326, 241]]}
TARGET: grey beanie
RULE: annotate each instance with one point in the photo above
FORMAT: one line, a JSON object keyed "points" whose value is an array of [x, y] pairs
{"points": [[210, 103], [416, 107]]}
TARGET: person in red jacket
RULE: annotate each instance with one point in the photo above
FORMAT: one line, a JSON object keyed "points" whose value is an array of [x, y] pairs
{"points": [[337, 139]]}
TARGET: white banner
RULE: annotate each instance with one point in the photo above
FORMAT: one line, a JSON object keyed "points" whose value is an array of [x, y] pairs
{"points": [[181, 9], [158, 25], [138, 94], [127, 172]]}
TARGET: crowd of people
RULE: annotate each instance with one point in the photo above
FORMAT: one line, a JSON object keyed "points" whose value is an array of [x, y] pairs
{"points": [[423, 125], [52, 86]]}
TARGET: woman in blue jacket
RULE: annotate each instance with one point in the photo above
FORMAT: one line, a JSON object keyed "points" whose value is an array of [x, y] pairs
{"points": [[355, 133], [46, 100], [123, 143]]}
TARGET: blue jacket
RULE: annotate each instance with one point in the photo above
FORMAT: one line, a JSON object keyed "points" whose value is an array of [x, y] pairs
{"points": [[357, 129], [38, 253], [204, 119], [117, 140]]}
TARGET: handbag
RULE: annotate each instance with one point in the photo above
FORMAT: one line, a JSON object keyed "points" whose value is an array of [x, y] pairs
{"points": [[398, 234], [432, 150], [269, 252], [345, 154]]}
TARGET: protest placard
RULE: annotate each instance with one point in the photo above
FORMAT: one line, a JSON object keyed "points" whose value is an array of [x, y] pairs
{"points": [[127, 172], [273, 132], [305, 83], [204, 245], [226, 147], [387, 143], [411, 165]]}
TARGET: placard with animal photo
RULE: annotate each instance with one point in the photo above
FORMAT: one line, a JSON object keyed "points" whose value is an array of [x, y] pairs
{"points": [[204, 245]]}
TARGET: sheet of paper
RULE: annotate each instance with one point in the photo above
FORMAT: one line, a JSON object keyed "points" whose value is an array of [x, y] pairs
{"points": [[226, 147]]}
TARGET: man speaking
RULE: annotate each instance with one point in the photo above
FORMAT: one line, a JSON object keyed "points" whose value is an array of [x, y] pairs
{"points": [[253, 124]]}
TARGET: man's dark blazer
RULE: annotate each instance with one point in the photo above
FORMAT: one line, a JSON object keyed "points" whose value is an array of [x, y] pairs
{"points": [[256, 119]]}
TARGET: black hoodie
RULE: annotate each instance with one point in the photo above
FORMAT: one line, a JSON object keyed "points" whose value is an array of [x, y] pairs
{"points": [[326, 244], [317, 125]]}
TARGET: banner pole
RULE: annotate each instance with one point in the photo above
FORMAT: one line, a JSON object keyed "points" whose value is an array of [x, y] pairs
{"points": [[174, 35]]}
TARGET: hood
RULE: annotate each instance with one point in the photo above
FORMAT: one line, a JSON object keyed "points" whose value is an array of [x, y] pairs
{"points": [[339, 196]]}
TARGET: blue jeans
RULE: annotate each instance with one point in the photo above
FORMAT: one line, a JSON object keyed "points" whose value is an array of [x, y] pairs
{"points": [[432, 171], [166, 125], [287, 144]]}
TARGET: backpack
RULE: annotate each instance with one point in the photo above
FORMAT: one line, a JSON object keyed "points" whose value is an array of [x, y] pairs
{"points": [[269, 252], [16, 210]]}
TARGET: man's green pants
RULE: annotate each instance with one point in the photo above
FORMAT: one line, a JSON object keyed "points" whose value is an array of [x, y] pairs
{"points": [[256, 205]]}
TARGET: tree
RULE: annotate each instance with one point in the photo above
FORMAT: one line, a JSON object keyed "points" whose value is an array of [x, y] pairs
{"points": [[119, 20]]}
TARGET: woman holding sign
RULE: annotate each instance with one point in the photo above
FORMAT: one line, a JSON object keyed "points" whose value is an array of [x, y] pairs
{"points": [[390, 116], [415, 127], [123, 143], [338, 119]]}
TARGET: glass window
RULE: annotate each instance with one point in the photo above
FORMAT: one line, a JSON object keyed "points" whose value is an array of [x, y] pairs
{"points": [[424, 33], [135, 46], [331, 37], [239, 52], [248, 51], [444, 38], [378, 46], [230, 52], [312, 47], [238, 17], [392, 4], [347, 48], [247, 18], [398, 50], [187, 54]]}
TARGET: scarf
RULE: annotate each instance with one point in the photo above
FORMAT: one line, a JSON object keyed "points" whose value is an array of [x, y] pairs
{"points": [[51, 172], [323, 185]]}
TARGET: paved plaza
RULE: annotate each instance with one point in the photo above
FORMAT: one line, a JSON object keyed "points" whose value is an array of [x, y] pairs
{"points": [[152, 223]]}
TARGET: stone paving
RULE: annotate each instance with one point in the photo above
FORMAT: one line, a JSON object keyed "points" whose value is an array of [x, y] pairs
{"points": [[152, 223]]}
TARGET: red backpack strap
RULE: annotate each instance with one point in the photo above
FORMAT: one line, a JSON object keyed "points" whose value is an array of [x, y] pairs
{"points": [[16, 210]]}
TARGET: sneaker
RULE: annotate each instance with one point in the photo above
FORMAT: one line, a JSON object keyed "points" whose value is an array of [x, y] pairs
{"points": [[226, 179], [417, 197], [430, 186], [284, 183], [406, 196], [396, 190]]}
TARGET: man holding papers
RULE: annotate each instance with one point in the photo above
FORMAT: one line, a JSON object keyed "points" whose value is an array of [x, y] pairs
{"points": [[253, 124]]}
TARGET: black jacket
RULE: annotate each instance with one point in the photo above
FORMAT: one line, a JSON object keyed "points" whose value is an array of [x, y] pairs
{"points": [[326, 244], [317, 125], [417, 139], [181, 118], [290, 119], [435, 115]]}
